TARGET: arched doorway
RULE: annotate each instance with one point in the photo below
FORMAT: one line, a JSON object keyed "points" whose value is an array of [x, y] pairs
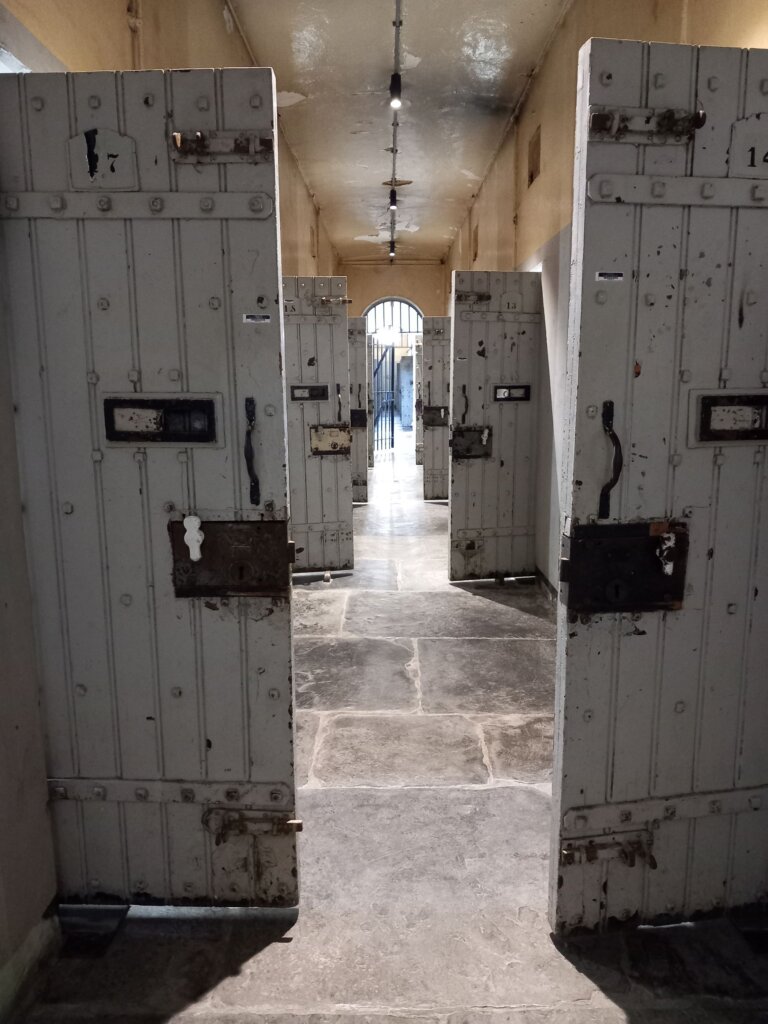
{"points": [[394, 324]]}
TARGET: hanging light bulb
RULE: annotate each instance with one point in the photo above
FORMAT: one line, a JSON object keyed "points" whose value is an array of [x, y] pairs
{"points": [[395, 91], [392, 249], [392, 199]]}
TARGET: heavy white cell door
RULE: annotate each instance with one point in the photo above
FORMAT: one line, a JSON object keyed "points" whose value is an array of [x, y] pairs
{"points": [[371, 399], [359, 371], [404, 397], [497, 331], [140, 254], [435, 409], [319, 432], [417, 401], [661, 791]]}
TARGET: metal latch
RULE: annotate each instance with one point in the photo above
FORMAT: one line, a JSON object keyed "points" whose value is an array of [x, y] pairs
{"points": [[330, 300], [221, 146], [628, 848], [644, 124], [473, 298], [223, 822]]}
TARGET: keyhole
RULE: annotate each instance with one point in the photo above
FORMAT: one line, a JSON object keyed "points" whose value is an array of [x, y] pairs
{"points": [[616, 591]]}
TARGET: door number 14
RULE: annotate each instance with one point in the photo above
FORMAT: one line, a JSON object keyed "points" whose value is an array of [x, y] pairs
{"points": [[753, 156]]}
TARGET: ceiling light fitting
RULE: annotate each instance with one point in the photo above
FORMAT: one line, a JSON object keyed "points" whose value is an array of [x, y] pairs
{"points": [[396, 91], [392, 199]]}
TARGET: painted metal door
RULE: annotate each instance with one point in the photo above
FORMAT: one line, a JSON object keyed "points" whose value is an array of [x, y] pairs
{"points": [[371, 402], [661, 788], [358, 400], [436, 413], [319, 432], [417, 402], [405, 392], [140, 253], [494, 396]]}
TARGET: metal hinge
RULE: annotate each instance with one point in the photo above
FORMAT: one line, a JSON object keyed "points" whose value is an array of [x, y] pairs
{"points": [[472, 298], [659, 126], [223, 823], [330, 300], [628, 848]]}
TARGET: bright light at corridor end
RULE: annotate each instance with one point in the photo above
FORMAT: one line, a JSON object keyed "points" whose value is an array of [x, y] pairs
{"points": [[395, 91]]}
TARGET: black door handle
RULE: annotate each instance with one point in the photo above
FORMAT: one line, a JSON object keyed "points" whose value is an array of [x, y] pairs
{"points": [[604, 507], [250, 418]]}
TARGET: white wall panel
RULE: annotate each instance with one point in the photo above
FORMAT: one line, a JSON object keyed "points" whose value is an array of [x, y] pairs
{"points": [[496, 324], [359, 372], [153, 275], [660, 779], [436, 376], [319, 432]]}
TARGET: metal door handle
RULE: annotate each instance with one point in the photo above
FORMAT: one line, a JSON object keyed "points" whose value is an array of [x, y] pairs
{"points": [[466, 403], [338, 396], [250, 417], [604, 507]]}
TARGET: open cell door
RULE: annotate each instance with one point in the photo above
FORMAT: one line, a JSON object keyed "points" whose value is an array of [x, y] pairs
{"points": [[142, 304], [497, 331], [359, 373], [435, 404], [661, 773]]}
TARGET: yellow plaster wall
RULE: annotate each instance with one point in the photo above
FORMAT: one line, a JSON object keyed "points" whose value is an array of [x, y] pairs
{"points": [[424, 284]]}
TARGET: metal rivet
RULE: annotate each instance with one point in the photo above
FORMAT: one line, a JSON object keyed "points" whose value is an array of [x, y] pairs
{"points": [[758, 193], [755, 802], [232, 795], [58, 792], [581, 821], [188, 796], [94, 102], [686, 376], [707, 190], [591, 411], [650, 299], [11, 202], [725, 373], [719, 459], [675, 459], [103, 303], [57, 203], [133, 376], [176, 691], [67, 508], [233, 887], [269, 410], [174, 375], [141, 793], [606, 77], [139, 885], [92, 377], [169, 507], [148, 99], [182, 457], [97, 455], [732, 608], [156, 204], [715, 807], [206, 204], [269, 506], [587, 716], [37, 102], [140, 456], [255, 101], [99, 792], [104, 203], [256, 204], [764, 376], [757, 458], [126, 599], [601, 297], [188, 887], [750, 298], [274, 694], [605, 189], [713, 83], [659, 80], [680, 707], [670, 811], [687, 512], [625, 816], [203, 103], [276, 796], [214, 302], [94, 883], [658, 189]]}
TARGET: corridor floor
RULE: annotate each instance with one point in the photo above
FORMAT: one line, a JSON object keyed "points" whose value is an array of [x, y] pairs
{"points": [[424, 714]]}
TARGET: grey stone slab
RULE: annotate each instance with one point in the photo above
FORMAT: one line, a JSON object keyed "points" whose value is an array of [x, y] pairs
{"points": [[399, 750], [408, 551], [519, 750], [304, 744], [355, 675], [453, 613], [368, 574], [317, 613], [495, 676]]}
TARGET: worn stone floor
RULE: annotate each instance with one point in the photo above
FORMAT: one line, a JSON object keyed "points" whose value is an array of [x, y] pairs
{"points": [[424, 714]]}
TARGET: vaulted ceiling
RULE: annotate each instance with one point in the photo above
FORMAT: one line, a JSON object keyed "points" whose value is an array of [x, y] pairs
{"points": [[465, 65]]}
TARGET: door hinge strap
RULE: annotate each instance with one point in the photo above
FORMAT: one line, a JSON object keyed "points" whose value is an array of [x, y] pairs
{"points": [[679, 190]]}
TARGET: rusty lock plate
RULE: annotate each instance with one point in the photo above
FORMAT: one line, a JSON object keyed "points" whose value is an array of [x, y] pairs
{"points": [[435, 416], [471, 443], [330, 439], [237, 558]]}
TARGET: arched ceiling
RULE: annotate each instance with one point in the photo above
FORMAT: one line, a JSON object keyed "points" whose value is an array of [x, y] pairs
{"points": [[465, 66]]}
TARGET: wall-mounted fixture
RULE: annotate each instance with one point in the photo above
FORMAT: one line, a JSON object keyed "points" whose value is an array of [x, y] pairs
{"points": [[396, 91]]}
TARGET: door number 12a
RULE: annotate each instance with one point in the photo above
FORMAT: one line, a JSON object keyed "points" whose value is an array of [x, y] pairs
{"points": [[753, 156]]}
